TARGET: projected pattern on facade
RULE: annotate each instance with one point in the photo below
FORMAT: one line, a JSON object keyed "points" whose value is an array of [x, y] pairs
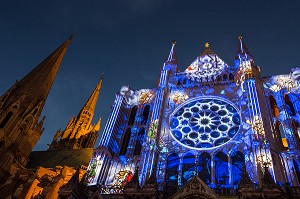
{"points": [[205, 122]]}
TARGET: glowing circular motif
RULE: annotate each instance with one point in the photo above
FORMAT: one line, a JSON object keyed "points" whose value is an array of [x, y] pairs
{"points": [[205, 122]]}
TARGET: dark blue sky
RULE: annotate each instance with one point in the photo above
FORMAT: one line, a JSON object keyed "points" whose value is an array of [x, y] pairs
{"points": [[129, 40]]}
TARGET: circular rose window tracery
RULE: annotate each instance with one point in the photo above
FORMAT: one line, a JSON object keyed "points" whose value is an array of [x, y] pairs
{"points": [[205, 122]]}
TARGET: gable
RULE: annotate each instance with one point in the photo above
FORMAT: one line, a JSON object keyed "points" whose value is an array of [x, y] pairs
{"points": [[207, 65], [195, 188]]}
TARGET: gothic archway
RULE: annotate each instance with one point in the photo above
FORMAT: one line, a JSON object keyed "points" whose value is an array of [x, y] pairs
{"points": [[204, 167], [171, 177], [238, 160], [125, 142], [222, 174], [289, 105], [188, 167]]}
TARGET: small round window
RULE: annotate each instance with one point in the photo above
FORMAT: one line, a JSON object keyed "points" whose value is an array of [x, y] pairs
{"points": [[205, 122]]}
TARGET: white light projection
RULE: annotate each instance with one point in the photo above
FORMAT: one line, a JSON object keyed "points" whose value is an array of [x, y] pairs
{"points": [[205, 122], [206, 65]]}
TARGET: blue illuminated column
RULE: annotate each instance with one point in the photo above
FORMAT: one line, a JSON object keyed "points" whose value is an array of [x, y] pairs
{"points": [[101, 156], [150, 150], [248, 77], [111, 121]]}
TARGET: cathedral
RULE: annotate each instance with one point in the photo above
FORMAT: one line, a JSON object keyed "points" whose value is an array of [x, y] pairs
{"points": [[210, 131], [43, 174]]}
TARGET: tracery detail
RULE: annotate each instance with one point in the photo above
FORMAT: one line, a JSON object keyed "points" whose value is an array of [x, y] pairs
{"points": [[205, 122]]}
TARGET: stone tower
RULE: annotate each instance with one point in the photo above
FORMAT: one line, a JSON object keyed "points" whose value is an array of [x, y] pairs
{"points": [[80, 132], [20, 110]]}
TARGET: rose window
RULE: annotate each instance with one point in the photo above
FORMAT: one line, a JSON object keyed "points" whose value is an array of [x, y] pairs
{"points": [[205, 122]]}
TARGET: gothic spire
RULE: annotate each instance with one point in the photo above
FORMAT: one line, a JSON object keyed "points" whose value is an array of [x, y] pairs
{"points": [[35, 86], [172, 58], [81, 125], [90, 105], [243, 54]]}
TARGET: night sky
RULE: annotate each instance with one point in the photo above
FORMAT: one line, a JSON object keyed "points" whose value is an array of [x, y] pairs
{"points": [[128, 41]]}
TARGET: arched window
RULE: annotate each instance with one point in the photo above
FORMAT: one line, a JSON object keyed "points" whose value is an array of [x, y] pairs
{"points": [[280, 134], [145, 115], [222, 174], [231, 77], [238, 160], [6, 119], [290, 108], [132, 115], [188, 168], [28, 122], [172, 173], [204, 167], [125, 142], [225, 77], [139, 142], [274, 107]]}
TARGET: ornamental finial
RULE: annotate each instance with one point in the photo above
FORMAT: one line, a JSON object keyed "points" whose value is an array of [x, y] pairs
{"points": [[174, 42], [206, 45], [240, 37]]}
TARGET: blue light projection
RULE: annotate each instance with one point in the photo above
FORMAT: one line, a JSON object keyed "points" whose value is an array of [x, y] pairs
{"points": [[204, 167], [238, 160], [205, 122], [200, 122], [222, 173], [189, 167]]}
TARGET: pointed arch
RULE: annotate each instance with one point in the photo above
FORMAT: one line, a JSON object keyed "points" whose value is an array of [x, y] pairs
{"points": [[6, 119], [274, 107], [188, 168], [145, 114], [125, 142], [171, 177], [221, 168], [28, 122], [225, 77], [139, 142], [290, 107], [132, 115], [237, 160], [280, 135], [204, 167]]}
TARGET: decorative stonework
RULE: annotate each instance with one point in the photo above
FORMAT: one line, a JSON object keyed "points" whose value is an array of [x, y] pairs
{"points": [[205, 122]]}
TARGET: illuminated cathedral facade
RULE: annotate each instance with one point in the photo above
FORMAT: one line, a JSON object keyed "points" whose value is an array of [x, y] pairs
{"points": [[210, 129]]}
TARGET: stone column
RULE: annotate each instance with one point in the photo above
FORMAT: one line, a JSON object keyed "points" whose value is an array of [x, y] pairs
{"points": [[180, 170], [230, 177], [213, 175]]}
